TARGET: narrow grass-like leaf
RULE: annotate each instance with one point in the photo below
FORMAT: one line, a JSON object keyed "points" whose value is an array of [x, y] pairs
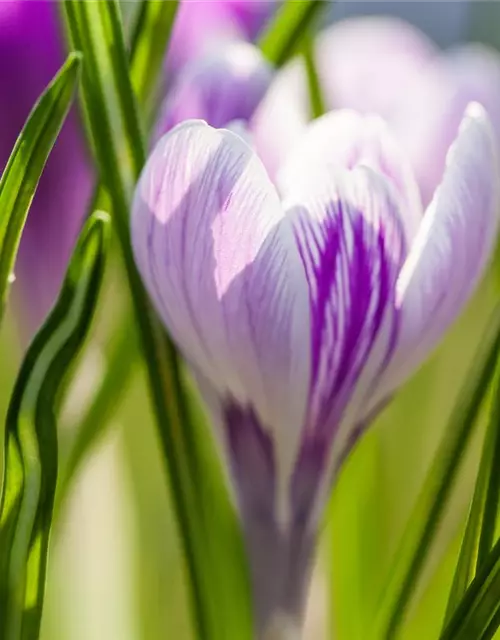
{"points": [[480, 529], [316, 97], [426, 516], [477, 617], [285, 34], [24, 168], [151, 34], [94, 32], [152, 28], [30, 469]]}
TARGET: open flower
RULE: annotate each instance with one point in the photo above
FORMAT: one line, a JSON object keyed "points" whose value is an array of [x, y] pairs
{"points": [[302, 305]]}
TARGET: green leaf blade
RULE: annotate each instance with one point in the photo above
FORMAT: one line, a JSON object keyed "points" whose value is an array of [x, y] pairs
{"points": [[481, 522], [478, 614], [284, 35], [30, 469], [153, 28], [429, 509], [24, 168], [316, 98]]}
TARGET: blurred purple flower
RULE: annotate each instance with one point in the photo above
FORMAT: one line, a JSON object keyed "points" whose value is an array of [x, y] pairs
{"points": [[222, 87], [252, 14], [388, 67], [302, 305], [202, 26], [31, 51], [235, 87]]}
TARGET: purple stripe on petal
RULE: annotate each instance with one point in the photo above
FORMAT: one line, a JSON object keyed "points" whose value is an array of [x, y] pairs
{"points": [[352, 255], [345, 139], [349, 234]]}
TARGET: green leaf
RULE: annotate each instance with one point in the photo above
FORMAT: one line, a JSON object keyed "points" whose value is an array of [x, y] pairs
{"points": [[316, 97], [478, 615], [30, 469], [153, 27], [151, 32], [426, 516], [284, 35], [480, 529], [24, 168], [95, 29]]}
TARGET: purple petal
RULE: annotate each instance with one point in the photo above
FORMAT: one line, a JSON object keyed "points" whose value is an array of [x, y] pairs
{"points": [[451, 251], [348, 228], [345, 139], [219, 259], [219, 88]]}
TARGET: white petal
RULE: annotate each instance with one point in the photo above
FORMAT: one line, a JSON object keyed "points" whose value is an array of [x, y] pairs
{"points": [[452, 249]]}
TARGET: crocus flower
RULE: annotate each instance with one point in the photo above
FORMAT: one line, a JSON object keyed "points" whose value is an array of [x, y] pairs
{"points": [[31, 51], [301, 305]]}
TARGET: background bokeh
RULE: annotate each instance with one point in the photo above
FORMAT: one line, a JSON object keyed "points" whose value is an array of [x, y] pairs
{"points": [[115, 566]]}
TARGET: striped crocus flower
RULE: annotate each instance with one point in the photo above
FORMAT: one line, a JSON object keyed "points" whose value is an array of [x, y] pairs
{"points": [[301, 304]]}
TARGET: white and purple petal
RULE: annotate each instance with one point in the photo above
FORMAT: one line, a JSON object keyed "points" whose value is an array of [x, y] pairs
{"points": [[348, 227], [220, 261], [345, 139], [453, 246]]}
